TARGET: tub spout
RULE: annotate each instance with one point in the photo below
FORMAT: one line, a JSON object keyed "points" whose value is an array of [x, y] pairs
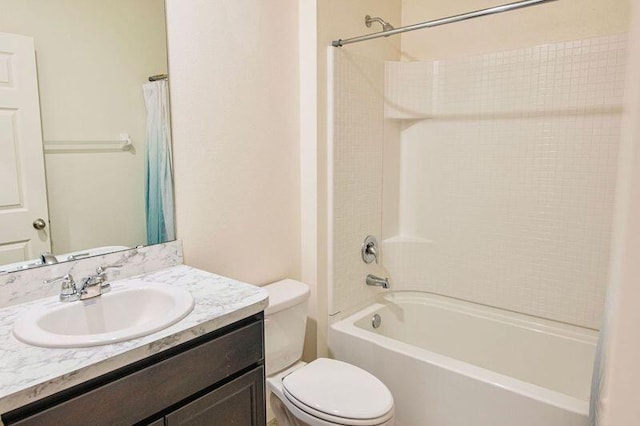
{"points": [[377, 281], [48, 259]]}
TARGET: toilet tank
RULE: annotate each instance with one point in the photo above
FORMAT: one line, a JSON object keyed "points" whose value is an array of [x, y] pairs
{"points": [[285, 323]]}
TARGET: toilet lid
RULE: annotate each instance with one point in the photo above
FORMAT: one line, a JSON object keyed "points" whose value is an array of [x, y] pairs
{"points": [[338, 389]]}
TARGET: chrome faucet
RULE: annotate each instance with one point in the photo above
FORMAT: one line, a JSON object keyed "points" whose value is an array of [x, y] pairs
{"points": [[377, 281], [48, 259], [94, 285], [369, 250], [91, 286]]}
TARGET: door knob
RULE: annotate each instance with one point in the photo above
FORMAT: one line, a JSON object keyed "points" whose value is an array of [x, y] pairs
{"points": [[39, 224]]}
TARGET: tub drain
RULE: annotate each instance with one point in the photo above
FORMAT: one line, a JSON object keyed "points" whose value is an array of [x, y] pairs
{"points": [[376, 321]]}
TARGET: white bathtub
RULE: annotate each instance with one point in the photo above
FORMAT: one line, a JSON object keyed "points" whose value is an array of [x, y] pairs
{"points": [[454, 363]]}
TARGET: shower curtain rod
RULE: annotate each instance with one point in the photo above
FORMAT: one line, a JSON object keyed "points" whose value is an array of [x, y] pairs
{"points": [[441, 21]]}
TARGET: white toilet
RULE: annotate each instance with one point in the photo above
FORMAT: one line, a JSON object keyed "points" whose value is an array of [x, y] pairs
{"points": [[324, 392]]}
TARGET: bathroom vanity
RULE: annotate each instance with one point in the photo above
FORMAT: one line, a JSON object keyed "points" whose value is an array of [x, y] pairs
{"points": [[214, 379], [207, 368]]}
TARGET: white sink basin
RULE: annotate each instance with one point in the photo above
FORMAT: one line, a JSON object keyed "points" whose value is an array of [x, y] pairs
{"points": [[124, 313]]}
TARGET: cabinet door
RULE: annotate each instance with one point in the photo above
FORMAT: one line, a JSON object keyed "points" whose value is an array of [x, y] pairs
{"points": [[240, 402]]}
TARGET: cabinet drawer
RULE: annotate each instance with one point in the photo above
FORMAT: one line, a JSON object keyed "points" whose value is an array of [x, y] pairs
{"points": [[150, 390]]}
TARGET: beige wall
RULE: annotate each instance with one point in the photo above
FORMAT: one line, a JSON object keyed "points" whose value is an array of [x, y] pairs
{"points": [[93, 57], [308, 40], [234, 91], [557, 21]]}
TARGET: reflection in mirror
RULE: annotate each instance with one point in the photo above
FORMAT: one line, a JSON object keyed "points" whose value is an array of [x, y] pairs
{"points": [[78, 178]]}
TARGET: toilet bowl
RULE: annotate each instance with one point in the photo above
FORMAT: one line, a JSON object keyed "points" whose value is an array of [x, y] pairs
{"points": [[324, 392], [327, 392]]}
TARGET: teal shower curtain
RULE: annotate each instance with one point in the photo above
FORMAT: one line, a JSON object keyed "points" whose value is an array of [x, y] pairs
{"points": [[159, 207]]}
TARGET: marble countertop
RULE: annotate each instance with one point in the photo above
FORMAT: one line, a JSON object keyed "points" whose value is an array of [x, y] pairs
{"points": [[30, 373]]}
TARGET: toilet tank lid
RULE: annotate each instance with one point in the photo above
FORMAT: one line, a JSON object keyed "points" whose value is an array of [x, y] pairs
{"points": [[285, 294]]}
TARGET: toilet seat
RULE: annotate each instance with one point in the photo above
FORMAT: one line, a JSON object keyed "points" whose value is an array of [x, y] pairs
{"points": [[338, 393]]}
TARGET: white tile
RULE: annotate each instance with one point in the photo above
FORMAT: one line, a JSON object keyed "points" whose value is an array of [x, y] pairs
{"points": [[512, 180], [506, 188], [356, 186]]}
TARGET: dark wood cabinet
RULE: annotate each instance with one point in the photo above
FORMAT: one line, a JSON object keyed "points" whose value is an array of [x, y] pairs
{"points": [[215, 379], [235, 404]]}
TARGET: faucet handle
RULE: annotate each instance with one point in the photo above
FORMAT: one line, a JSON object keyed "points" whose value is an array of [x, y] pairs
{"points": [[101, 277], [66, 277], [369, 249], [68, 290], [100, 270]]}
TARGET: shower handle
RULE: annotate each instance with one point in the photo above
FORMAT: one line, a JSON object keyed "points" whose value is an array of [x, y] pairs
{"points": [[369, 249]]}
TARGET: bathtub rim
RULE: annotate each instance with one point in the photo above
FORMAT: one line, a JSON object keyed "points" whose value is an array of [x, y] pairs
{"points": [[556, 328], [544, 395]]}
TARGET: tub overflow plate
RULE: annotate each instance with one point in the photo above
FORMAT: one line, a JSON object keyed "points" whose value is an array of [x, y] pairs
{"points": [[376, 321]]}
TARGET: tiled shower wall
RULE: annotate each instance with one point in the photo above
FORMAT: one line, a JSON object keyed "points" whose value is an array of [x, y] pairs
{"points": [[507, 176], [355, 173]]}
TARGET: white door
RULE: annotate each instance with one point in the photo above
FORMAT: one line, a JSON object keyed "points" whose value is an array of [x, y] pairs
{"points": [[23, 196]]}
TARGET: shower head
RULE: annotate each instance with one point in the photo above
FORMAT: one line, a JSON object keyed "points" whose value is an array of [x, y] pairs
{"points": [[368, 20]]}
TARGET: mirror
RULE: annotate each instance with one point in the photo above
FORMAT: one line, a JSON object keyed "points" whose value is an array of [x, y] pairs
{"points": [[92, 59]]}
